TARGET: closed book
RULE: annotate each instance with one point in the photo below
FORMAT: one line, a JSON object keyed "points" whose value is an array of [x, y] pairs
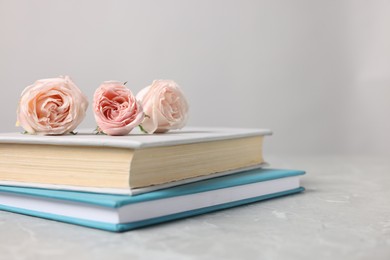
{"points": [[123, 212], [130, 164]]}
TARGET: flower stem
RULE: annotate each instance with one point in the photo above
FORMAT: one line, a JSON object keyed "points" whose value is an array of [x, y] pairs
{"points": [[142, 129]]}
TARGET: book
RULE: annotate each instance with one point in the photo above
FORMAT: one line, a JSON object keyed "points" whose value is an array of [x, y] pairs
{"points": [[118, 213], [131, 164]]}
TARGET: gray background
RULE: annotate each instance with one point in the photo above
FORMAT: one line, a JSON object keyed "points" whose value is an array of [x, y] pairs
{"points": [[315, 72]]}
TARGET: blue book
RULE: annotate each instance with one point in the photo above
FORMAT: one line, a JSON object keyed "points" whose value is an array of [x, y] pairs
{"points": [[123, 212]]}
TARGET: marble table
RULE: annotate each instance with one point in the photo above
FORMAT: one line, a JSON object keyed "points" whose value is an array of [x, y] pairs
{"points": [[344, 214]]}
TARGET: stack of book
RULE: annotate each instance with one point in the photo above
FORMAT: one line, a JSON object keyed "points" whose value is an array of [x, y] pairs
{"points": [[119, 183]]}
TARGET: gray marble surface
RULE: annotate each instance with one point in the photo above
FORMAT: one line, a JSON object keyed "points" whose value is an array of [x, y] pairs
{"points": [[344, 214]]}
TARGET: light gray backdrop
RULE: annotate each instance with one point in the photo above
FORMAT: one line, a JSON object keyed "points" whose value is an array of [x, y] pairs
{"points": [[316, 72]]}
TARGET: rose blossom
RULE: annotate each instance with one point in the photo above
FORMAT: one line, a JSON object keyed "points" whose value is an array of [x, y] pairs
{"points": [[116, 109], [51, 107], [165, 106]]}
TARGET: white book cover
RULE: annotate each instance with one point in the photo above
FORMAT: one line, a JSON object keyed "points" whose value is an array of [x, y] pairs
{"points": [[136, 139]]}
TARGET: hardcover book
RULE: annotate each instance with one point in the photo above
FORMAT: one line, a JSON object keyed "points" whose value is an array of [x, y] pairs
{"points": [[123, 212], [131, 164]]}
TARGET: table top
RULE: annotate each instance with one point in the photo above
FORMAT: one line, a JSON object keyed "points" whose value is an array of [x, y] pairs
{"points": [[343, 214]]}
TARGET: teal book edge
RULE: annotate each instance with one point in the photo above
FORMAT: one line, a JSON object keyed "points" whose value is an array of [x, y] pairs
{"points": [[117, 201], [148, 222]]}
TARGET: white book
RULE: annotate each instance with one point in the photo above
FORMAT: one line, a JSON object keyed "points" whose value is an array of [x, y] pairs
{"points": [[131, 164]]}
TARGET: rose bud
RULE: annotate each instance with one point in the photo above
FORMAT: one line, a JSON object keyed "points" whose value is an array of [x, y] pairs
{"points": [[116, 109], [52, 106], [165, 106]]}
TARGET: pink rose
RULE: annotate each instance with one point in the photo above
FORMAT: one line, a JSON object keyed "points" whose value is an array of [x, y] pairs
{"points": [[116, 110], [165, 106], [51, 107]]}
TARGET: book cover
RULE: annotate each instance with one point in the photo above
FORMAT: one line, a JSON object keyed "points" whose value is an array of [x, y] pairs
{"points": [[121, 212], [137, 140]]}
